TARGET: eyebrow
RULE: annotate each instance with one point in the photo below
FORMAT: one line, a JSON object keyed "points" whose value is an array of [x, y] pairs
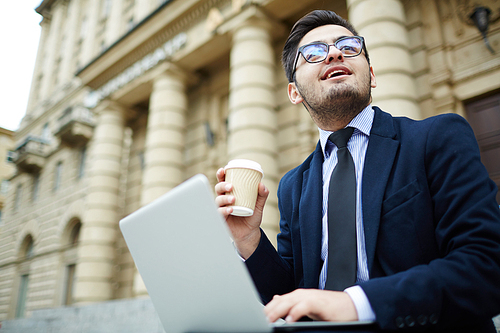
{"points": [[325, 41]]}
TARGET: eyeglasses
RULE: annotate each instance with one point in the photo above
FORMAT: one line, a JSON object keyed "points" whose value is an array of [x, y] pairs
{"points": [[350, 46]]}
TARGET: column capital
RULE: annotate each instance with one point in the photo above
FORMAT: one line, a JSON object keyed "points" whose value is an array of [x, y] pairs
{"points": [[171, 69], [65, 2], [110, 105], [252, 15]]}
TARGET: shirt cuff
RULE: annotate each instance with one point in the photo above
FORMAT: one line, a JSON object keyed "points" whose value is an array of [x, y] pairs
{"points": [[236, 250], [361, 303]]}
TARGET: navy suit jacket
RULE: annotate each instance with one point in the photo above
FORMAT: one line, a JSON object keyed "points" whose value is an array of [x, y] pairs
{"points": [[431, 222]]}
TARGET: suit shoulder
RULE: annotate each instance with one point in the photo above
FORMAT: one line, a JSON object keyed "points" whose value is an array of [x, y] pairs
{"points": [[449, 124], [445, 119]]}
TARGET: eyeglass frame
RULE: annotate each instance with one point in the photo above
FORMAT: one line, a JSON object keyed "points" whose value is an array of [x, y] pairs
{"points": [[299, 51]]}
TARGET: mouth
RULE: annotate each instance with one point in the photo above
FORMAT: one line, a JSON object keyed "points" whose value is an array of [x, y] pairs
{"points": [[336, 72]]}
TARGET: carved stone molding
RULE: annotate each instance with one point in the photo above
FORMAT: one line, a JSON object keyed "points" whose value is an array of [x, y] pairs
{"points": [[193, 16]]}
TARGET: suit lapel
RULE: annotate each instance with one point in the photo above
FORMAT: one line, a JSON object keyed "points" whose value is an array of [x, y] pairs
{"points": [[382, 148], [310, 215]]}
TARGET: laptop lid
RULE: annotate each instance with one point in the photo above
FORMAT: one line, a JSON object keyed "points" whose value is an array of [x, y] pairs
{"points": [[197, 282], [182, 249]]}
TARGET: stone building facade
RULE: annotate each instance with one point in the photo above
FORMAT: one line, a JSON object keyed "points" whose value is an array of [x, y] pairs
{"points": [[6, 169], [131, 97]]}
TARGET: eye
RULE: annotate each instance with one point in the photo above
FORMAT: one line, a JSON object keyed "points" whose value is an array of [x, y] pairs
{"points": [[350, 46], [314, 52]]}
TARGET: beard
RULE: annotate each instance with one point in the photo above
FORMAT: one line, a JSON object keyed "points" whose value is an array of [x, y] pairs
{"points": [[339, 104]]}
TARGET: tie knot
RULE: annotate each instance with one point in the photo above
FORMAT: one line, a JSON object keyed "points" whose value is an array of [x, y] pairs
{"points": [[341, 137]]}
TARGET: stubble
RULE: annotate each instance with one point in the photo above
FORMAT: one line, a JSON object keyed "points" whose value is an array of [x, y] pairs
{"points": [[338, 105]]}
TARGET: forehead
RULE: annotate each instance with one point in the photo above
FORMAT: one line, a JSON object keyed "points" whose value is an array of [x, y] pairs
{"points": [[326, 33]]}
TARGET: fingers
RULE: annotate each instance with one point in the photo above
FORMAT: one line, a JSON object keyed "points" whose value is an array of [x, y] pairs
{"points": [[225, 211], [221, 175], [284, 306], [291, 306], [222, 188], [224, 200], [299, 310], [316, 304]]}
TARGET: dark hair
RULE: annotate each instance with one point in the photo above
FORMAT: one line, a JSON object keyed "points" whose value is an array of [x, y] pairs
{"points": [[313, 20]]}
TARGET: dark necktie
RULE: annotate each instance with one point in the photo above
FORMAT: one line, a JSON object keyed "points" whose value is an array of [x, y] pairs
{"points": [[342, 258]]}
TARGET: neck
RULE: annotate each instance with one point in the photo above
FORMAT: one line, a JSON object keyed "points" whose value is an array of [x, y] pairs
{"points": [[331, 123]]}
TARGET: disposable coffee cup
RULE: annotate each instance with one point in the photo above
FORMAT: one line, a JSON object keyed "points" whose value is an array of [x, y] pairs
{"points": [[245, 176]]}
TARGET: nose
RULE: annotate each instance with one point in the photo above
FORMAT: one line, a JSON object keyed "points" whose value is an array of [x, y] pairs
{"points": [[334, 54]]}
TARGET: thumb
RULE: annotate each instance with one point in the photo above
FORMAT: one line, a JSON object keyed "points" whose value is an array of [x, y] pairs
{"points": [[261, 197]]}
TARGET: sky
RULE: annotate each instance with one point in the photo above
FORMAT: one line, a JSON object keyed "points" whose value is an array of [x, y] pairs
{"points": [[19, 35]]}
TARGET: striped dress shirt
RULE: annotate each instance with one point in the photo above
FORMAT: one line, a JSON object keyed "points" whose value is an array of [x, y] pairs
{"points": [[357, 145]]}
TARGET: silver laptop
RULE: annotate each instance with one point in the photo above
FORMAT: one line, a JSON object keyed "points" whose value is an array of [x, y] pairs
{"points": [[197, 283]]}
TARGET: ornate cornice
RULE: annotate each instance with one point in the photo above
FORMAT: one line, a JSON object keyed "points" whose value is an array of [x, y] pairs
{"points": [[181, 23]]}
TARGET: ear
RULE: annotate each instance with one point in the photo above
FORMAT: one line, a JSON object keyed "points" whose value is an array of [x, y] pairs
{"points": [[373, 78], [293, 94]]}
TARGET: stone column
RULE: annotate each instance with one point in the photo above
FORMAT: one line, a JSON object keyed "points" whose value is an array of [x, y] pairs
{"points": [[252, 117], [100, 221], [382, 23], [164, 147], [114, 22], [71, 26], [52, 51]]}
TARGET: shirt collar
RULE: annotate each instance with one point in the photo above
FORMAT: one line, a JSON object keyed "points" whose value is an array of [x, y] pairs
{"points": [[362, 123]]}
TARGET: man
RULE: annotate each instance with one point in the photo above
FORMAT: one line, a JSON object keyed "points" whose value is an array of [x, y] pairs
{"points": [[427, 225]]}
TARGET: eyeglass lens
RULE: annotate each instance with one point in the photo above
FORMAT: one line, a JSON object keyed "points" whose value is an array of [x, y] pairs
{"points": [[318, 51]]}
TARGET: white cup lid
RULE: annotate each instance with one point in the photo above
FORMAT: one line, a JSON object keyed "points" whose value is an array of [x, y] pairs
{"points": [[242, 211], [243, 163]]}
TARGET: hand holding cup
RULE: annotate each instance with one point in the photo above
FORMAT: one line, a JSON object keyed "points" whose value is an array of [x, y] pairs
{"points": [[245, 229], [245, 176]]}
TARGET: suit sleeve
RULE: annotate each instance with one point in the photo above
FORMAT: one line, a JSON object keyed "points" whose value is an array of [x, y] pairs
{"points": [[271, 272], [461, 285]]}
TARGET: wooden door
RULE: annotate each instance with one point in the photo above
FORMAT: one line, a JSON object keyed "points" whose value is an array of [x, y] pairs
{"points": [[484, 117]]}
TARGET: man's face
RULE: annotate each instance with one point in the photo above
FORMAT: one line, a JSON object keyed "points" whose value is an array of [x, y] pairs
{"points": [[337, 88]]}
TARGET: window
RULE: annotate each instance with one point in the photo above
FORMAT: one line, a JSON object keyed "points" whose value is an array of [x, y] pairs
{"points": [[142, 161], [21, 297], [81, 166], [25, 253], [69, 285], [17, 199], [46, 132], [106, 8], [36, 186], [75, 234], [57, 176], [130, 23], [55, 71], [83, 28], [38, 86], [102, 46], [28, 247], [72, 235], [4, 188]]}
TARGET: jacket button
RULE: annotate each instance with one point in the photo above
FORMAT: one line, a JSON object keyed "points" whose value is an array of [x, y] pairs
{"points": [[410, 322], [422, 320], [433, 319], [399, 322]]}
